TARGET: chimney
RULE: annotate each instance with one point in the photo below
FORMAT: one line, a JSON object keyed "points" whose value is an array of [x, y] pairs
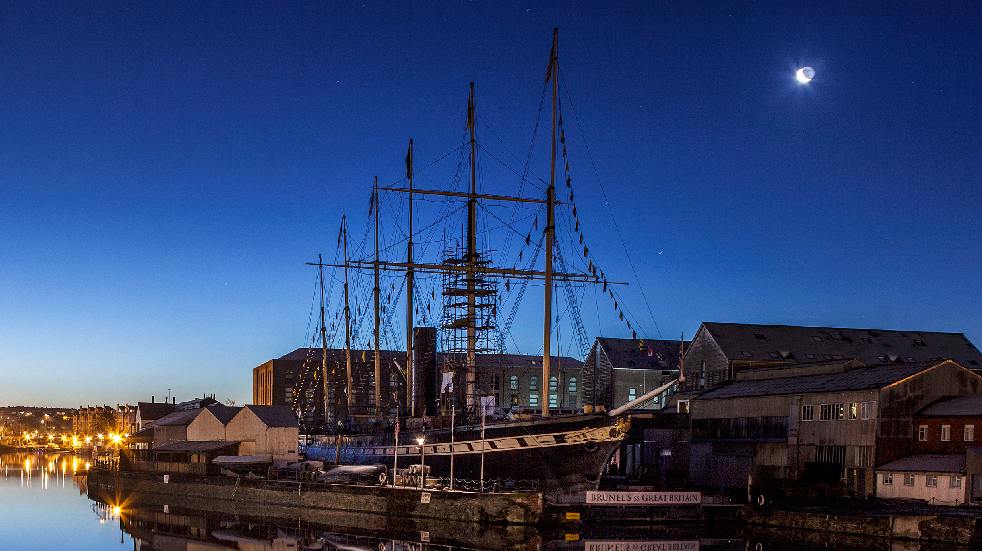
{"points": [[174, 401], [152, 400]]}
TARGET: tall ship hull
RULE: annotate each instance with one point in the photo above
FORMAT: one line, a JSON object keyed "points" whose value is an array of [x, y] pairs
{"points": [[563, 457]]}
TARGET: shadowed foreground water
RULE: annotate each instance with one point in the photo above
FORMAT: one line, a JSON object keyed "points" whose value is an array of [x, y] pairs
{"points": [[44, 505]]}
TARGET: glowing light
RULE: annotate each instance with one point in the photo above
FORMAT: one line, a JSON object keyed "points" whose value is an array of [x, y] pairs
{"points": [[116, 438], [804, 75], [117, 510]]}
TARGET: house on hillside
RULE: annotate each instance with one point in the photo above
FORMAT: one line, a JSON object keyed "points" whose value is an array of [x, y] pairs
{"points": [[721, 351], [265, 431], [824, 428]]}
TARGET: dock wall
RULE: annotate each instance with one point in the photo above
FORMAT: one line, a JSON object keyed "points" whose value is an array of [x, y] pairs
{"points": [[508, 508]]}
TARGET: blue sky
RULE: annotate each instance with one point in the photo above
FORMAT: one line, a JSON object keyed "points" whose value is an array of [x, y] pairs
{"points": [[166, 170]]}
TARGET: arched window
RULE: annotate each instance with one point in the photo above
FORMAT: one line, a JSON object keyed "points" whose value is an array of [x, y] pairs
{"points": [[572, 384], [533, 383], [632, 394], [513, 382], [553, 383], [553, 392]]}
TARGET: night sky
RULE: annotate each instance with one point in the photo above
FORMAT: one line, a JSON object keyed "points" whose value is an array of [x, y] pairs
{"points": [[167, 169]]}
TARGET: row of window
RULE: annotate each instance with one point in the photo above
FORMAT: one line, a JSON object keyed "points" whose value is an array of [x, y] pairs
{"points": [[534, 400], [968, 434], [930, 481], [837, 412], [534, 383]]}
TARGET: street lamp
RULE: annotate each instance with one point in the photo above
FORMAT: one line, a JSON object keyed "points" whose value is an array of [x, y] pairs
{"points": [[422, 461]]}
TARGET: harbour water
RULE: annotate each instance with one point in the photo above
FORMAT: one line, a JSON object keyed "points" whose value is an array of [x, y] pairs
{"points": [[45, 505]]}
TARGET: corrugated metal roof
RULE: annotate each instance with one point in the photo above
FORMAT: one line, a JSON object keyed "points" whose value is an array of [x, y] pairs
{"points": [[792, 343], [196, 446], [861, 378], [956, 406], [927, 463]]}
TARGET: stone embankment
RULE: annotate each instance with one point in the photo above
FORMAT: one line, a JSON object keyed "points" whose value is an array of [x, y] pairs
{"points": [[955, 528], [499, 508]]}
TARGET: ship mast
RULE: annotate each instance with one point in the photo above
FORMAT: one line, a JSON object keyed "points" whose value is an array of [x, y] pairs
{"points": [[410, 367], [378, 356], [471, 372], [320, 270], [347, 320], [550, 227]]}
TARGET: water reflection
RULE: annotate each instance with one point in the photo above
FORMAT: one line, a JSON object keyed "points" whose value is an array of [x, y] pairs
{"points": [[47, 504]]}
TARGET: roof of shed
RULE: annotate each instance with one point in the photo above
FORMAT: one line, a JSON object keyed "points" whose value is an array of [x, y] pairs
{"points": [[223, 413], [954, 406], [150, 411], [196, 446], [930, 463], [793, 343], [275, 416], [178, 418], [861, 378]]}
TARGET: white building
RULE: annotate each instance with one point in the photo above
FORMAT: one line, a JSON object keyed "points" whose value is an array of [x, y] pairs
{"points": [[937, 479]]}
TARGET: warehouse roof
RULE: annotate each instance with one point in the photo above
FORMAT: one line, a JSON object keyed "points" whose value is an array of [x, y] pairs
{"points": [[314, 356], [641, 353], [793, 343], [861, 378], [150, 411], [275, 416], [178, 418], [927, 463], [955, 406], [195, 446]]}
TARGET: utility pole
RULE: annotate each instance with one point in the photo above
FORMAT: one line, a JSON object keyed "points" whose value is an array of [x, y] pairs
{"points": [[378, 356], [550, 224]]}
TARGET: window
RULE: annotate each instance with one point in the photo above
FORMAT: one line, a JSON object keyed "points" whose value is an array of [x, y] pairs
{"points": [[496, 382], [533, 399], [888, 479], [553, 383], [922, 433], [945, 433], [513, 382], [864, 456], [908, 479], [931, 481], [533, 383], [553, 400], [808, 413], [853, 411], [969, 433], [572, 384], [632, 393], [553, 392], [683, 406], [825, 413], [839, 411], [866, 410], [956, 481]]}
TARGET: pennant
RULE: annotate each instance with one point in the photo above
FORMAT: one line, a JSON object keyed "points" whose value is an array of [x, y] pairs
{"points": [[528, 238], [622, 316], [586, 251], [535, 223], [409, 159], [634, 334], [569, 182], [562, 136], [552, 62]]}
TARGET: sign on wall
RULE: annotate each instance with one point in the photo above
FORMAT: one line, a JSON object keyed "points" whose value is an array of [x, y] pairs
{"points": [[643, 498]]}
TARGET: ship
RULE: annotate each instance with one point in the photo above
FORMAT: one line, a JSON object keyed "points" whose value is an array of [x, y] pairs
{"points": [[455, 434]]}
